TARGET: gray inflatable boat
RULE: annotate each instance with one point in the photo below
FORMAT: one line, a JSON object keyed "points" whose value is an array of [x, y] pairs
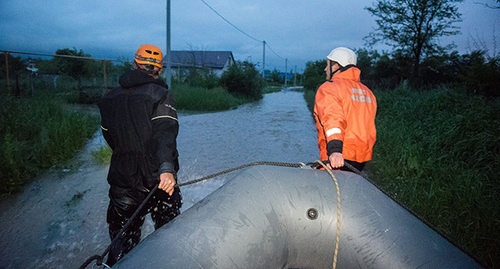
{"points": [[278, 217]]}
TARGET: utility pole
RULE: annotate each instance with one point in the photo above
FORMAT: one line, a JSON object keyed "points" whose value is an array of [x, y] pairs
{"points": [[263, 57], [168, 58], [7, 71], [286, 72], [295, 77]]}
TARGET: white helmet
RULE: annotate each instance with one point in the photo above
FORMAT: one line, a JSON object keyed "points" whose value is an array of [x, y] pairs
{"points": [[343, 56]]}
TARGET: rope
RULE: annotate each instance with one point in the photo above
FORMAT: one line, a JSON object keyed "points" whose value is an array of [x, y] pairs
{"points": [[125, 227], [296, 165], [119, 234], [99, 258], [338, 213]]}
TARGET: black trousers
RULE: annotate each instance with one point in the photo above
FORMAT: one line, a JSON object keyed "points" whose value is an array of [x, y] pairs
{"points": [[123, 203]]}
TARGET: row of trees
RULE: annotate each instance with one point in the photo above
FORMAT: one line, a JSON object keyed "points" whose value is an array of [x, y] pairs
{"points": [[476, 72], [76, 68], [413, 29], [241, 79], [69, 62]]}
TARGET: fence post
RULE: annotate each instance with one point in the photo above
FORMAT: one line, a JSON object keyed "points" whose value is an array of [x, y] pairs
{"points": [[104, 73], [7, 70]]}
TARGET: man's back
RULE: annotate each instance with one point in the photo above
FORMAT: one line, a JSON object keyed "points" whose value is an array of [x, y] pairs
{"points": [[126, 118]]}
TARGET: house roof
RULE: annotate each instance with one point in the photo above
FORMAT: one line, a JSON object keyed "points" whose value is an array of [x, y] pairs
{"points": [[200, 59]]}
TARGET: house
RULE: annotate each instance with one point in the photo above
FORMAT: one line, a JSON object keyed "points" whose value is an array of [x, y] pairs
{"points": [[183, 61]]}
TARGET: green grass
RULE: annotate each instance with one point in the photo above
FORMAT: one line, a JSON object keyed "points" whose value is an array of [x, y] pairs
{"points": [[438, 153], [309, 96], [102, 155], [271, 89], [36, 134], [205, 100]]}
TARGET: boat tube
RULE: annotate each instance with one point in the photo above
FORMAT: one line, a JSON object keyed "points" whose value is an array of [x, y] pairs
{"points": [[279, 217]]}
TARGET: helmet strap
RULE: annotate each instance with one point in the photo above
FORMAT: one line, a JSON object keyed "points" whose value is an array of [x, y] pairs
{"points": [[148, 69], [342, 69], [331, 67]]}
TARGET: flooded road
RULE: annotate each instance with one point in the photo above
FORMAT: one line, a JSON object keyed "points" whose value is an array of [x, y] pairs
{"points": [[60, 220]]}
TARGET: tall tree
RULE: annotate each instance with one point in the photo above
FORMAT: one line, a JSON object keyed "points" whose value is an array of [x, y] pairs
{"points": [[413, 27], [72, 63]]}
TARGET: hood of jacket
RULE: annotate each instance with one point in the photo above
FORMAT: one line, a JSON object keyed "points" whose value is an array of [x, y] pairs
{"points": [[134, 78]]}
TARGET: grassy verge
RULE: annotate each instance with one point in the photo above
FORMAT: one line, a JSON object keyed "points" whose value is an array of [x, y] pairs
{"points": [[199, 99], [438, 152], [271, 89], [202, 100], [36, 134]]}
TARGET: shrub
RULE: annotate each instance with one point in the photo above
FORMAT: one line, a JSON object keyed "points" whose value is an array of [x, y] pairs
{"points": [[242, 78], [314, 74], [201, 99], [482, 75]]}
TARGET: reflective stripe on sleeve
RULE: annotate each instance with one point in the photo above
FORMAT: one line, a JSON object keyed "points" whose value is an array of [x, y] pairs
{"points": [[160, 117], [333, 131]]}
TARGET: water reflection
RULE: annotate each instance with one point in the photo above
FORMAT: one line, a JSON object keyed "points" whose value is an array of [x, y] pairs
{"points": [[277, 128]]}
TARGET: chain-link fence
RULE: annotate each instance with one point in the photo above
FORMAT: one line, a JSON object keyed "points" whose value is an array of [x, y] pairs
{"points": [[71, 74]]}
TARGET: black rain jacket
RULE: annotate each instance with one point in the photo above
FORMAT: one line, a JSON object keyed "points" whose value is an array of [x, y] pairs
{"points": [[139, 122]]}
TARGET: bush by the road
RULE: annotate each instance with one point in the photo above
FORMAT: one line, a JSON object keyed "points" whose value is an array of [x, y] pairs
{"points": [[243, 79]]}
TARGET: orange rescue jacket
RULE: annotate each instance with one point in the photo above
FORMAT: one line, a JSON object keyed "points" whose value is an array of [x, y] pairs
{"points": [[344, 112]]}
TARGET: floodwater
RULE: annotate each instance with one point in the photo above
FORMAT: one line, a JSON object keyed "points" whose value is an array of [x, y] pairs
{"points": [[60, 220]]}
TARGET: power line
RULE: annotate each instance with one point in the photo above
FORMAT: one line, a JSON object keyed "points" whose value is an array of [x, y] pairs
{"points": [[265, 43], [244, 52], [230, 22]]}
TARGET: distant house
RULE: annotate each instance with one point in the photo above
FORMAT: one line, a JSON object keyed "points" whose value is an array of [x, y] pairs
{"points": [[183, 61]]}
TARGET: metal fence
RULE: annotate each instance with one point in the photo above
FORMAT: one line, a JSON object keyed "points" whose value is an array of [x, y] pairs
{"points": [[85, 87]]}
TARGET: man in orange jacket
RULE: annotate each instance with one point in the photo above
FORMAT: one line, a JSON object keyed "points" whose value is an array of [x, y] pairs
{"points": [[344, 112]]}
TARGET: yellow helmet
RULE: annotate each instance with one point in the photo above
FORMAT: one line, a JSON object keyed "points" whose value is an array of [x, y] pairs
{"points": [[149, 54]]}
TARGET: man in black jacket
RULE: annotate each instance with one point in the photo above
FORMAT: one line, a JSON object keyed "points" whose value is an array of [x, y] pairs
{"points": [[139, 123]]}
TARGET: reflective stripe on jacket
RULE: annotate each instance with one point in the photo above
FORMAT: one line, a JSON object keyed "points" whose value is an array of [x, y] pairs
{"points": [[344, 112]]}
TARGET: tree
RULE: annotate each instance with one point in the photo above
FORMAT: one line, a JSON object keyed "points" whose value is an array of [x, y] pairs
{"points": [[413, 27], [481, 75], [275, 78], [16, 67], [242, 78], [314, 74], [72, 65]]}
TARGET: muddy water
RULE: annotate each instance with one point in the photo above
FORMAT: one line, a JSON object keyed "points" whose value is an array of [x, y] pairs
{"points": [[59, 220]]}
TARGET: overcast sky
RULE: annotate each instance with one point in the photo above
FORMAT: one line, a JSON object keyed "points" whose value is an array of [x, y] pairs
{"points": [[298, 31]]}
